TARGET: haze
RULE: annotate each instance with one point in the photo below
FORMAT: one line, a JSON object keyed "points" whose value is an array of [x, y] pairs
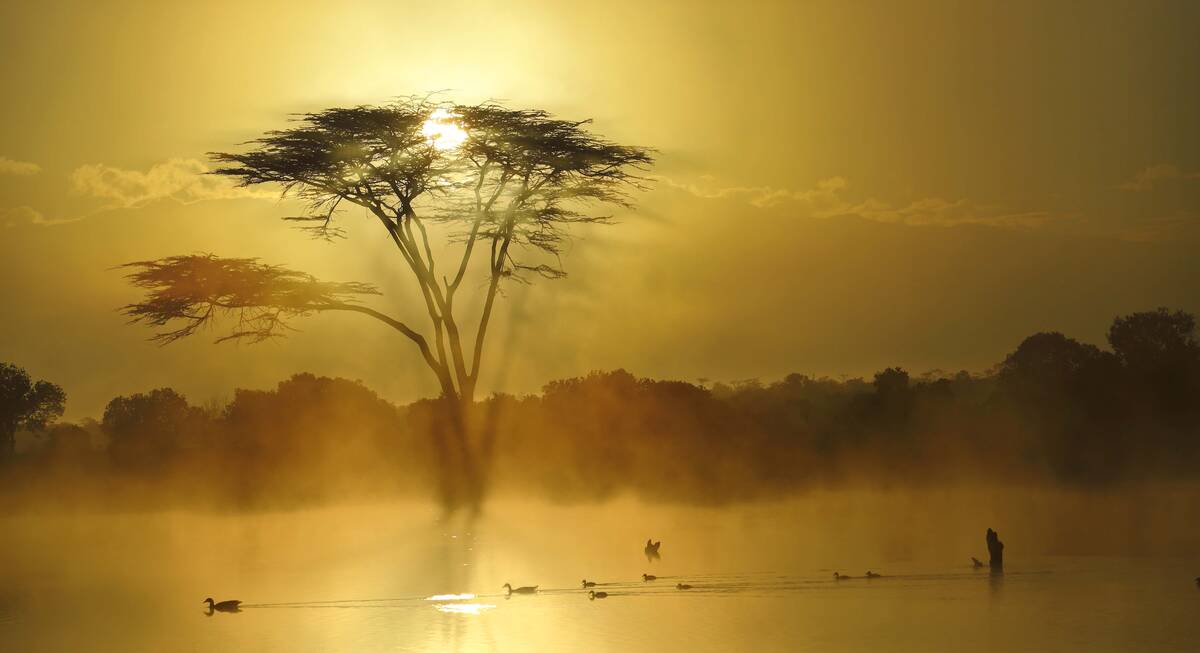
{"points": [[848, 326], [835, 195]]}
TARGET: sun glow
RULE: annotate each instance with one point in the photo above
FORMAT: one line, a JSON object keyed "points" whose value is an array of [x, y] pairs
{"points": [[441, 131]]}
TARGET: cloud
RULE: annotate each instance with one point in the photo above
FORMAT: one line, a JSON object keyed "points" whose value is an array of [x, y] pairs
{"points": [[20, 215], [27, 215], [183, 180], [22, 168], [1146, 179], [823, 198], [938, 211], [828, 199]]}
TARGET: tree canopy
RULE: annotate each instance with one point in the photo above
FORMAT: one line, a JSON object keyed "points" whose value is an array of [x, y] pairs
{"points": [[25, 404], [483, 178]]}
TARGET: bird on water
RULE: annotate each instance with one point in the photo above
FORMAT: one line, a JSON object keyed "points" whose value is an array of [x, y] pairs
{"points": [[593, 595], [587, 583], [682, 586], [651, 549], [531, 589], [648, 577], [223, 606]]}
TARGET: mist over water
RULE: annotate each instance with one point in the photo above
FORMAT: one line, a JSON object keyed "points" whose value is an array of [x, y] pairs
{"points": [[1083, 569]]}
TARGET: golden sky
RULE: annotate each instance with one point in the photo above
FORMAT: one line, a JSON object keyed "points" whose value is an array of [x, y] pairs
{"points": [[842, 186]]}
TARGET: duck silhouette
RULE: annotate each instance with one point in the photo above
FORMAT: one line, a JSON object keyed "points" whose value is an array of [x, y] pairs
{"points": [[587, 583], [593, 595], [648, 577], [682, 586], [223, 606], [529, 589], [871, 574], [837, 576]]}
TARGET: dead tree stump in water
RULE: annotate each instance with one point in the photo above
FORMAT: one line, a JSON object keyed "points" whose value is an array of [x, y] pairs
{"points": [[995, 550]]}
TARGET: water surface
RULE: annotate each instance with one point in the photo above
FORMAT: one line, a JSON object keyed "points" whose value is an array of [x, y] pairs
{"points": [[397, 577]]}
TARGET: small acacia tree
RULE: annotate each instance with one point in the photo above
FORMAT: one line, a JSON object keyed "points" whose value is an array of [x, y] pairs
{"points": [[449, 184]]}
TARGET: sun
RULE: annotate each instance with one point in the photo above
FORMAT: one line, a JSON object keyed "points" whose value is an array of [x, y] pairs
{"points": [[441, 130]]}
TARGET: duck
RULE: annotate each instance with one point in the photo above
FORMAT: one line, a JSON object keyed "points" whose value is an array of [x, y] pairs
{"points": [[652, 547], [223, 606], [975, 562], [837, 576], [682, 586], [593, 595], [529, 589], [587, 583], [871, 574], [648, 577]]}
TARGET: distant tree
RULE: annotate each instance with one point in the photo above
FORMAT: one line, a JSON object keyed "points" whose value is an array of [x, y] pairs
{"points": [[1069, 394], [148, 428], [1155, 339], [25, 404], [296, 416], [1161, 355], [1047, 365], [66, 440], [442, 180], [892, 381]]}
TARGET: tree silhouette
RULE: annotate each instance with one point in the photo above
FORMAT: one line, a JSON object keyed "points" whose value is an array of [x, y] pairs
{"points": [[1154, 339], [146, 429], [25, 404], [443, 181], [1161, 354]]}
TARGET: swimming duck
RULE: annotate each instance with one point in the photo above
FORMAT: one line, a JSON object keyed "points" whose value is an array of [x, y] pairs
{"points": [[587, 583], [529, 589], [837, 576], [223, 606], [648, 577], [682, 586], [593, 595], [871, 574]]}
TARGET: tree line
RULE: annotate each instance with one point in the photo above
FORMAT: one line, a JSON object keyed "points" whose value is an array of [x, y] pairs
{"points": [[1055, 410]]}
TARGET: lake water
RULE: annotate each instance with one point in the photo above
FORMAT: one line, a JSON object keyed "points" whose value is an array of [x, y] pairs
{"points": [[397, 577]]}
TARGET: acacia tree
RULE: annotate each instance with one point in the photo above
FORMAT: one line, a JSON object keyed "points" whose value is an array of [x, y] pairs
{"points": [[25, 404], [458, 189]]}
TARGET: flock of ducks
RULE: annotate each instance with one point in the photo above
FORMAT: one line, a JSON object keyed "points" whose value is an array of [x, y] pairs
{"points": [[651, 551]]}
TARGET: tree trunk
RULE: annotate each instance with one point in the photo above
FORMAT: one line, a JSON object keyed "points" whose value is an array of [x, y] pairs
{"points": [[995, 550], [8, 442]]}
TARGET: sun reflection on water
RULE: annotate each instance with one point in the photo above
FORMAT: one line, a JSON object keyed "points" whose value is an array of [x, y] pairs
{"points": [[464, 608], [450, 597]]}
